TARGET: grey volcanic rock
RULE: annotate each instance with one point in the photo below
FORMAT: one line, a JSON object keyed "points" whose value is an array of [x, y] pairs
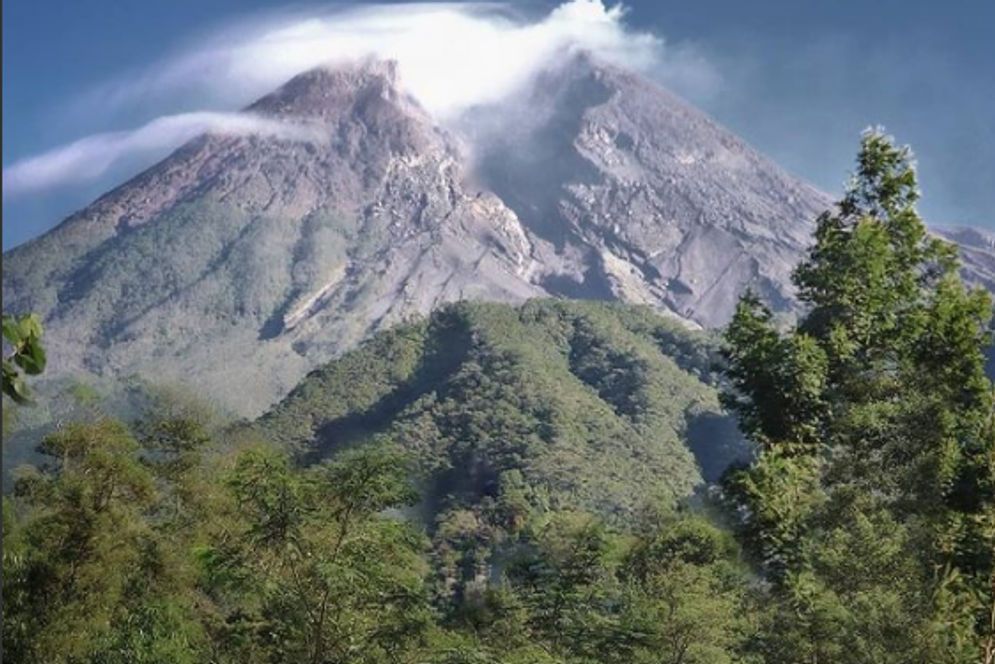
{"points": [[240, 263], [663, 205], [977, 253]]}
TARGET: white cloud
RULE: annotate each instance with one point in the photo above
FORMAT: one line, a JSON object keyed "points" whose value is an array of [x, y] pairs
{"points": [[90, 157], [450, 57]]}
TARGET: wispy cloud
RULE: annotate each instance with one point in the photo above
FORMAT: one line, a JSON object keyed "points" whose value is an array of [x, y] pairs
{"points": [[450, 56], [90, 157]]}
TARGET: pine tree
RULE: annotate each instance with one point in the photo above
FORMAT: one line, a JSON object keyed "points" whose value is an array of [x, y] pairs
{"points": [[873, 420]]}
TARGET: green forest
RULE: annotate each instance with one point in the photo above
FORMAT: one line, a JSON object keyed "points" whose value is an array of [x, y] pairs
{"points": [[561, 482]]}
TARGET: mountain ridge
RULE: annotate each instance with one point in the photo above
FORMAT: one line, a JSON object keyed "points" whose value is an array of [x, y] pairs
{"points": [[220, 238]]}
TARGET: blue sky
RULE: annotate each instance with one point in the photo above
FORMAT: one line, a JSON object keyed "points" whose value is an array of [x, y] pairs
{"points": [[799, 80]]}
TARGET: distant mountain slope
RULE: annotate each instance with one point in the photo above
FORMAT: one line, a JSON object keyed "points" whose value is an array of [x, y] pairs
{"points": [[592, 405], [239, 263], [977, 253]]}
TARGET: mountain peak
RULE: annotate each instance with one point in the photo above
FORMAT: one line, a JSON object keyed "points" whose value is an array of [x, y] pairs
{"points": [[329, 91]]}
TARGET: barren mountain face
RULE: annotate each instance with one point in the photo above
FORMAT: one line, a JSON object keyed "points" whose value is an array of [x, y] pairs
{"points": [[657, 203], [977, 253], [238, 264]]}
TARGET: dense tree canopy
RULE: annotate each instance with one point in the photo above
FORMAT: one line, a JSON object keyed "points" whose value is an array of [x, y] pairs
{"points": [[870, 503]]}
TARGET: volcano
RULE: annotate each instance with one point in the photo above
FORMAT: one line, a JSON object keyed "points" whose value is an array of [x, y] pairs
{"points": [[240, 263]]}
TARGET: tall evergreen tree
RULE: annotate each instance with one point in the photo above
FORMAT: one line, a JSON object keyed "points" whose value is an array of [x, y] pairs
{"points": [[873, 419]]}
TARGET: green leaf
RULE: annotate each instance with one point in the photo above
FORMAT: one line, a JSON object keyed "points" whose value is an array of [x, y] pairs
{"points": [[11, 330], [30, 326], [24, 336], [14, 386], [31, 358]]}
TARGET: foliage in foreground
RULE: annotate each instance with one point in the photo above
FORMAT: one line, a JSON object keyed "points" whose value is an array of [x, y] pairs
{"points": [[23, 335], [871, 504], [140, 544]]}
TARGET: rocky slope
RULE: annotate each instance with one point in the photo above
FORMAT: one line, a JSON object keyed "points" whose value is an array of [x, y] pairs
{"points": [[654, 201], [239, 263], [977, 253]]}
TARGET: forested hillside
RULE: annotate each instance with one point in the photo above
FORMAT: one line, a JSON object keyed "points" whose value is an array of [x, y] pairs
{"points": [[482, 483], [589, 402]]}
